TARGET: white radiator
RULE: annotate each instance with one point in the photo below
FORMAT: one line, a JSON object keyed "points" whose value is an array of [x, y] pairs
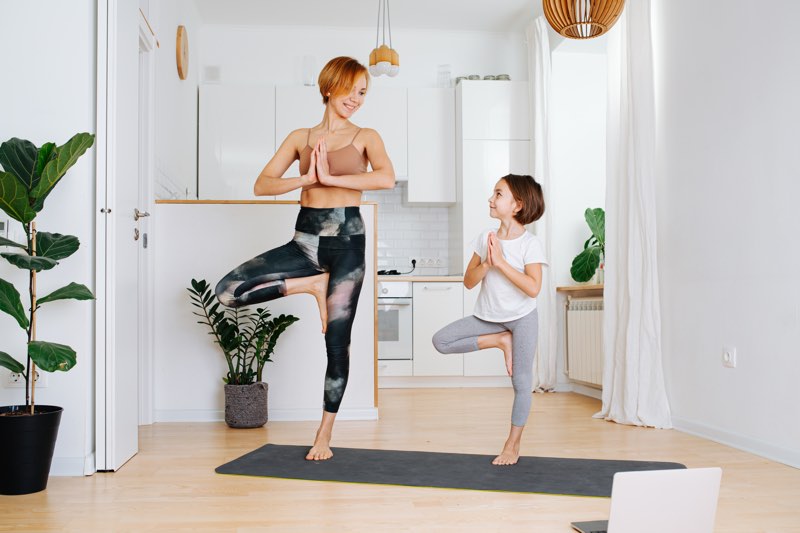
{"points": [[585, 340]]}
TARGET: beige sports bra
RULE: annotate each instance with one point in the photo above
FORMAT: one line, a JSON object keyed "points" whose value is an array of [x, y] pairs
{"points": [[342, 161]]}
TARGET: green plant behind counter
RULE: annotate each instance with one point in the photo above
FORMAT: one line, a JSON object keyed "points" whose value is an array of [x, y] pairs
{"points": [[586, 263], [247, 337]]}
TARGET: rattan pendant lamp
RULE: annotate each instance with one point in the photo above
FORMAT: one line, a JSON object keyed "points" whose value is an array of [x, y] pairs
{"points": [[384, 60], [582, 19]]}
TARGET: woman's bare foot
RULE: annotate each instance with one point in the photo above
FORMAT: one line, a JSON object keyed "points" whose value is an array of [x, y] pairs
{"points": [[504, 343], [321, 450], [316, 286]]}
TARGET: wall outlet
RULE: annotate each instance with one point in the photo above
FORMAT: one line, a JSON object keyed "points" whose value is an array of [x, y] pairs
{"points": [[430, 262], [729, 357], [15, 380]]}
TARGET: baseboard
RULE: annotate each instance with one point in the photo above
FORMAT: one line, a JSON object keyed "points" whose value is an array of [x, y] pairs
{"points": [[442, 382], [70, 466], [278, 415], [740, 442], [592, 392]]}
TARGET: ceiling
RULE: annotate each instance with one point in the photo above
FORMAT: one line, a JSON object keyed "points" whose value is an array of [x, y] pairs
{"points": [[468, 15]]}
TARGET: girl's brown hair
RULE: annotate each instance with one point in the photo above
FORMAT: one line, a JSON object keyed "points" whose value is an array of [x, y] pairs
{"points": [[528, 192], [339, 76]]}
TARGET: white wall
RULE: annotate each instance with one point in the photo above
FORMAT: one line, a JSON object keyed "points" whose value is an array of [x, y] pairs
{"points": [[728, 170], [577, 149], [275, 54], [49, 95], [175, 101]]}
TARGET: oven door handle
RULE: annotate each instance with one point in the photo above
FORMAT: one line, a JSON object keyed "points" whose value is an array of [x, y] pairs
{"points": [[394, 301]]}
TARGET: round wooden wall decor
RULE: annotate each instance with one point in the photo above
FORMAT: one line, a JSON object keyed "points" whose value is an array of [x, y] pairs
{"points": [[182, 52]]}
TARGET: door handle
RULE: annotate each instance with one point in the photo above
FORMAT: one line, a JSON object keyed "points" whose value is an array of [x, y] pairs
{"points": [[139, 214]]}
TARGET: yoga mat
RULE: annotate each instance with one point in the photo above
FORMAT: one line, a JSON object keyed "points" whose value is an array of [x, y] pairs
{"points": [[549, 475]]}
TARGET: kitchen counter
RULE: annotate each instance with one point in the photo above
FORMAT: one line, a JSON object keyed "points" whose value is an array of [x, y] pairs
{"points": [[411, 277]]}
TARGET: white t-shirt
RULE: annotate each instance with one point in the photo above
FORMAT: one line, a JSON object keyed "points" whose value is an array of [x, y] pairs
{"points": [[500, 300]]}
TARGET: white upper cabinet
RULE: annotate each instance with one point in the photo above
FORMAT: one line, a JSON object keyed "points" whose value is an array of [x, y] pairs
{"points": [[385, 110], [431, 146], [494, 110], [295, 108], [236, 138]]}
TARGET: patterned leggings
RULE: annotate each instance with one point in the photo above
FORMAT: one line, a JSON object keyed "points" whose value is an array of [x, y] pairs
{"points": [[328, 240]]}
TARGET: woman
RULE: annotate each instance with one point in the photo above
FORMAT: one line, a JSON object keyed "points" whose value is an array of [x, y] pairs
{"points": [[326, 256]]}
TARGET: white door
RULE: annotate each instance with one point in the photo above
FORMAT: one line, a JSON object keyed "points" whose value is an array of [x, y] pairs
{"points": [[117, 403]]}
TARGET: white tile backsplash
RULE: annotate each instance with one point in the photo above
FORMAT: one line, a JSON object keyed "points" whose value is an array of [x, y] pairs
{"points": [[407, 232]]}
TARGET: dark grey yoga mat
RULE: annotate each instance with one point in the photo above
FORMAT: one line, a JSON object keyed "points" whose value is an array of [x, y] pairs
{"points": [[550, 475]]}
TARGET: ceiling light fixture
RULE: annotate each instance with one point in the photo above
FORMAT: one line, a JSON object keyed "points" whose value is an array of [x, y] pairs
{"points": [[582, 19], [384, 60]]}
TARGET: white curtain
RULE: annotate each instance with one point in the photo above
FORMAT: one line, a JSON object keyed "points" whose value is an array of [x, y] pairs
{"points": [[544, 373], [633, 379]]}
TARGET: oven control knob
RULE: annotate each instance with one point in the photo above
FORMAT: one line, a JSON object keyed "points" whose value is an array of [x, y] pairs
{"points": [[384, 291]]}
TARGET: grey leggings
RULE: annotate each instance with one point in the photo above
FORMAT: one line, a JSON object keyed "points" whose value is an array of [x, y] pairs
{"points": [[462, 336]]}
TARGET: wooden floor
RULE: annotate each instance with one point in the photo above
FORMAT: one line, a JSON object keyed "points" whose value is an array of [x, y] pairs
{"points": [[171, 485]]}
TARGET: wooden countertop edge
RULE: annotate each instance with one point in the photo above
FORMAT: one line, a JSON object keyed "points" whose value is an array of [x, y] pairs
{"points": [[575, 288], [458, 279], [222, 202]]}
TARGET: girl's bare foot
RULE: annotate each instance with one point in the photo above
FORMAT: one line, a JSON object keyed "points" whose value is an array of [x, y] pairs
{"points": [[504, 343], [316, 286]]}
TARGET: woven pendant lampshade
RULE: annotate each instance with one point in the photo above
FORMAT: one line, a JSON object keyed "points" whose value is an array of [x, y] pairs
{"points": [[384, 60], [582, 19]]}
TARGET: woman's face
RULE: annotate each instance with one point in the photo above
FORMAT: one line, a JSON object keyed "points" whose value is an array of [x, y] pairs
{"points": [[347, 104], [502, 204]]}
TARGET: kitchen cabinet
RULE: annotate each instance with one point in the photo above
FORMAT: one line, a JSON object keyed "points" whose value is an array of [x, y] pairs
{"points": [[431, 146], [385, 110], [497, 110], [236, 138], [435, 306]]}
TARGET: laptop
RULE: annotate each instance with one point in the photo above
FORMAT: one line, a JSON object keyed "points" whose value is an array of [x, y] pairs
{"points": [[660, 501]]}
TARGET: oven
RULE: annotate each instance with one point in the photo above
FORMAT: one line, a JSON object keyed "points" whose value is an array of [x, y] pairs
{"points": [[395, 320]]}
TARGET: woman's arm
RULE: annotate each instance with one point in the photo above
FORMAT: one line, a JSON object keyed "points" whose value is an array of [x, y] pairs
{"points": [[529, 282], [476, 271], [270, 182], [381, 176]]}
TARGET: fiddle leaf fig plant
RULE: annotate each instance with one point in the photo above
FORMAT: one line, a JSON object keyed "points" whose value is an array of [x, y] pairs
{"points": [[28, 176], [594, 249]]}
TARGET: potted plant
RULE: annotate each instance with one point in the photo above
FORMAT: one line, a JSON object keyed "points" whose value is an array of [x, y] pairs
{"points": [[29, 431], [591, 258], [247, 338]]}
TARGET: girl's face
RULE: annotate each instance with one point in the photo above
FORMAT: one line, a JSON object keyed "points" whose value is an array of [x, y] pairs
{"points": [[346, 104], [502, 204]]}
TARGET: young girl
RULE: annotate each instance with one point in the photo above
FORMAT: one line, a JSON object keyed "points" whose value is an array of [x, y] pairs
{"points": [[508, 264]]}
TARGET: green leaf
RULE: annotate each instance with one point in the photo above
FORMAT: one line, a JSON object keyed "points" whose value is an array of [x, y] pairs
{"points": [[14, 198], [46, 154], [596, 219], [50, 356], [73, 291], [26, 262], [6, 242], [19, 158], [54, 170], [56, 246], [11, 303], [585, 264], [11, 363]]}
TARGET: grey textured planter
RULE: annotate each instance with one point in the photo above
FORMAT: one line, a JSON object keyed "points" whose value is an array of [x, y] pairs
{"points": [[246, 405]]}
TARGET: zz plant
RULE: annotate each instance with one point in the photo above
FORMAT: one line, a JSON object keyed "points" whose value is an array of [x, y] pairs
{"points": [[247, 338], [28, 176], [594, 249]]}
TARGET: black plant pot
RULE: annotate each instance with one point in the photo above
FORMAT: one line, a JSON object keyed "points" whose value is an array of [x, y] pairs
{"points": [[246, 405], [26, 448]]}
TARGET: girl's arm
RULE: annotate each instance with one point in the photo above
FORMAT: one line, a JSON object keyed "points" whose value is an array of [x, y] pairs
{"points": [[476, 271], [381, 177], [529, 282], [270, 182]]}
